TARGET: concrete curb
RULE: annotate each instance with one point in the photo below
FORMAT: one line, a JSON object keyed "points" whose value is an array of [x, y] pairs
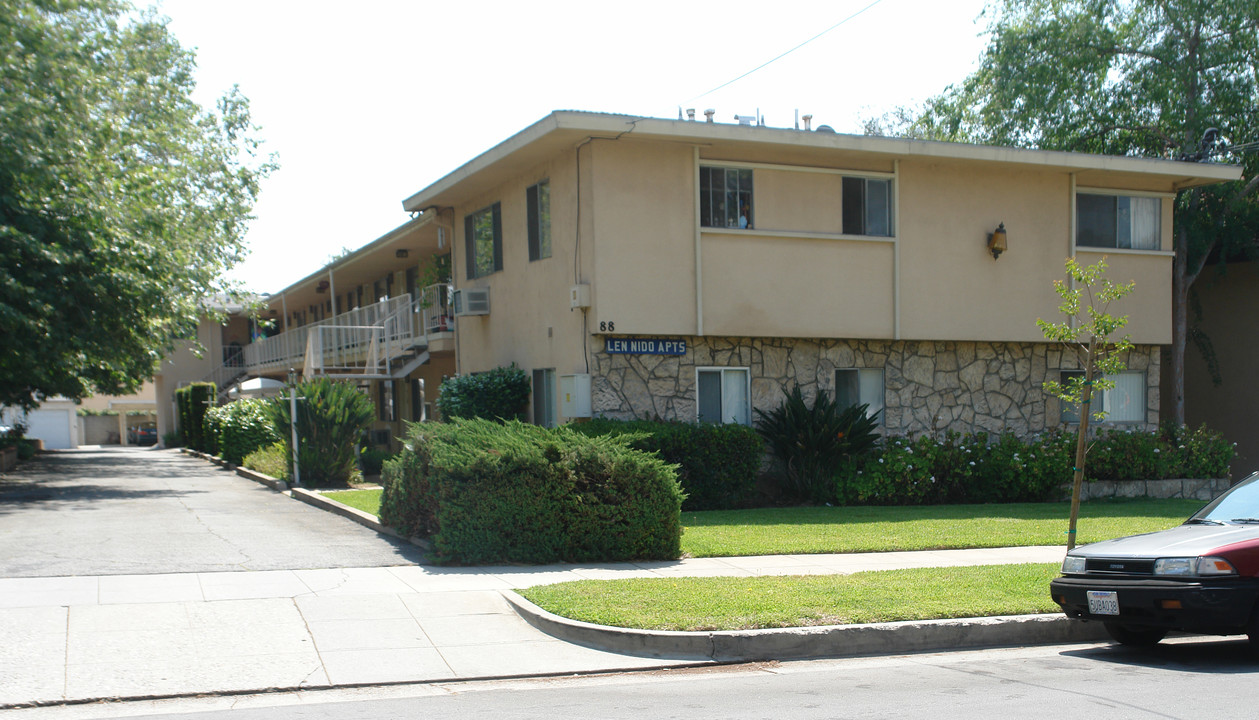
{"points": [[892, 638], [371, 521]]}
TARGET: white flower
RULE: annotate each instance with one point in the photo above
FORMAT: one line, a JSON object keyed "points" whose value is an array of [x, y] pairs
{"points": [[972, 462]]}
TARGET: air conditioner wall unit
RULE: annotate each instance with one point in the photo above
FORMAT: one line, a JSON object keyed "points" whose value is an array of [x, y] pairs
{"points": [[471, 301]]}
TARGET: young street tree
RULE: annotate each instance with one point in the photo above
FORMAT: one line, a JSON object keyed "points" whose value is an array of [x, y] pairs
{"points": [[1169, 79], [1086, 332], [122, 201]]}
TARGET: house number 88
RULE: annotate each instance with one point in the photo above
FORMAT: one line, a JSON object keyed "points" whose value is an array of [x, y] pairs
{"points": [[606, 326]]}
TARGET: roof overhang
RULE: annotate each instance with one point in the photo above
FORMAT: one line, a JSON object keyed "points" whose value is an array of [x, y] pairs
{"points": [[565, 129]]}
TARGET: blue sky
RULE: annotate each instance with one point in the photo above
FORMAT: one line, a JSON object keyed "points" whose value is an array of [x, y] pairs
{"points": [[366, 103]]}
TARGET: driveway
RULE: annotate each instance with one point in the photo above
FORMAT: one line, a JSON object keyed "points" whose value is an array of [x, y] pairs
{"points": [[125, 511]]}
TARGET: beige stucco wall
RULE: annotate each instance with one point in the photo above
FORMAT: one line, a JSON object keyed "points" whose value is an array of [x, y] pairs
{"points": [[531, 322]]}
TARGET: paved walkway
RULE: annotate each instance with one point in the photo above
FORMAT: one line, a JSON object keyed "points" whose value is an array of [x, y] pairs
{"points": [[133, 636]]}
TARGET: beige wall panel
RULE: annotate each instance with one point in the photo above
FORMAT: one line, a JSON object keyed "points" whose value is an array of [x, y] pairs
{"points": [[530, 321], [1149, 307], [644, 238], [797, 201], [951, 288], [784, 287]]}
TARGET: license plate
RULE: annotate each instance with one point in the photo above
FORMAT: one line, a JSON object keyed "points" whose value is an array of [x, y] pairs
{"points": [[1103, 602]]}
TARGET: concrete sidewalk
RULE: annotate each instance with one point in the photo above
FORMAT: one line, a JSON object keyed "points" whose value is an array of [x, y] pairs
{"points": [[75, 639]]}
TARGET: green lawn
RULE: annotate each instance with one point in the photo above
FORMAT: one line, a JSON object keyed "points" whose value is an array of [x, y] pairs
{"points": [[807, 530], [803, 530], [366, 500], [740, 603]]}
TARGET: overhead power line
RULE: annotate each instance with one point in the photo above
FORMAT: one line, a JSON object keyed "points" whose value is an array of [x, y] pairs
{"points": [[785, 54]]}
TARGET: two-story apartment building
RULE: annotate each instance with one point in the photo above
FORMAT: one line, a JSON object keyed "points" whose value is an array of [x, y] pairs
{"points": [[690, 270], [639, 267]]}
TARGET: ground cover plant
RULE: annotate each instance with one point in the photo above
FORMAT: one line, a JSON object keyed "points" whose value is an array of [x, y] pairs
{"points": [[273, 461], [798, 530], [743, 603]]}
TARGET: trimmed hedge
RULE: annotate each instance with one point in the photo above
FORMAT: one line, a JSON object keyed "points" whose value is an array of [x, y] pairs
{"points": [[192, 402], [717, 464], [489, 492]]}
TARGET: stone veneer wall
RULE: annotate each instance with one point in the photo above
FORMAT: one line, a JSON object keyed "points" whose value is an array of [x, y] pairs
{"points": [[928, 386]]}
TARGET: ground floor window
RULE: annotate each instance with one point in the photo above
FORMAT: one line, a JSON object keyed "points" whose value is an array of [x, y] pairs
{"points": [[544, 397], [1124, 403], [723, 395], [860, 386]]}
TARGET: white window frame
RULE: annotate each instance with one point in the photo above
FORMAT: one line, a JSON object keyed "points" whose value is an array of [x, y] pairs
{"points": [[747, 392], [1070, 412], [861, 399]]}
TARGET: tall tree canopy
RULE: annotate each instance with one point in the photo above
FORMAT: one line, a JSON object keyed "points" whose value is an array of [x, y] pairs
{"points": [[122, 201], [1147, 78]]}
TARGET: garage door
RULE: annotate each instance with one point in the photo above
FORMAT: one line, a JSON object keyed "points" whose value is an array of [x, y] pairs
{"points": [[51, 426]]}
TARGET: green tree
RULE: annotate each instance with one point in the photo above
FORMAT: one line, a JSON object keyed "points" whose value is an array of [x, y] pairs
{"points": [[122, 201], [1086, 333], [1151, 78]]}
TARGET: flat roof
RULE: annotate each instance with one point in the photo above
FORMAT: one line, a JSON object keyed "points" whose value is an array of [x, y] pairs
{"points": [[564, 129]]}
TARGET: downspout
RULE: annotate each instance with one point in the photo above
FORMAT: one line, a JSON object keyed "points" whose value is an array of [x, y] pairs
{"points": [[699, 258], [896, 250]]}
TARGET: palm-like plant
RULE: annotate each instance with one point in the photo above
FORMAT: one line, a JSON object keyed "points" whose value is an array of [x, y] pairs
{"points": [[331, 417], [812, 441]]}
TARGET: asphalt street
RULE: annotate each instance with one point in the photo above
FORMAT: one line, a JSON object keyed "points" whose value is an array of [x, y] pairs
{"points": [[124, 511], [1187, 678]]}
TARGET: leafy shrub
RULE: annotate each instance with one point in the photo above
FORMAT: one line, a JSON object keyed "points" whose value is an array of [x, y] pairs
{"points": [[172, 439], [981, 468], [498, 394], [212, 429], [272, 460], [717, 464], [1201, 453], [330, 418], [372, 461], [810, 442], [488, 492], [243, 426], [192, 401]]}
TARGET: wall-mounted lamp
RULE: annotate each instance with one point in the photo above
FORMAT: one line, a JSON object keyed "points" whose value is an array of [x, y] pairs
{"points": [[401, 253], [996, 241], [322, 286]]}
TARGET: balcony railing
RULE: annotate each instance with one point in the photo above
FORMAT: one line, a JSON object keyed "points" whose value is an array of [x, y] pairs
{"points": [[363, 340]]}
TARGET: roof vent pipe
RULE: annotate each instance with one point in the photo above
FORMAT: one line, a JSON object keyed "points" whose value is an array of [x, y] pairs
{"points": [[690, 114], [709, 114], [808, 122]]}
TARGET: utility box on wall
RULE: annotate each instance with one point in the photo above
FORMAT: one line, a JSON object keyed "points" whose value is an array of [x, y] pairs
{"points": [[575, 396]]}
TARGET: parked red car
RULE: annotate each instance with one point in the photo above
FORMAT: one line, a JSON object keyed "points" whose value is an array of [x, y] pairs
{"points": [[1201, 576]]}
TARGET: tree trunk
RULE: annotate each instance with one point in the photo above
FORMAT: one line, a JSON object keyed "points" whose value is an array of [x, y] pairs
{"points": [[1180, 328], [1081, 442]]}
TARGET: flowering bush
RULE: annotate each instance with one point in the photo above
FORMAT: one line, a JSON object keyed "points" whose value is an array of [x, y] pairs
{"points": [[978, 467]]}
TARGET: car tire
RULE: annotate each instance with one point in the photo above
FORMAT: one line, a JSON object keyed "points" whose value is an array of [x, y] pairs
{"points": [[1135, 635]]}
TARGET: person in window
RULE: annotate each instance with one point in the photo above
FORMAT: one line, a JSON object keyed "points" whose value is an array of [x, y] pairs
{"points": [[745, 217]]}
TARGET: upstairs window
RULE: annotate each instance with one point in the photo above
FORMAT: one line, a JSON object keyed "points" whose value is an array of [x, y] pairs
{"points": [[483, 235], [1118, 221], [725, 197], [538, 199], [867, 206]]}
